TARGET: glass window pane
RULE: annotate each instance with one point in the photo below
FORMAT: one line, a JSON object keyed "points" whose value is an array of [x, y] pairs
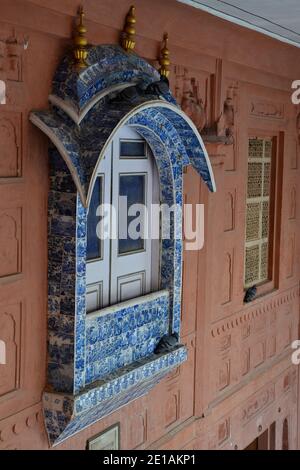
{"points": [[133, 187], [132, 148], [93, 242]]}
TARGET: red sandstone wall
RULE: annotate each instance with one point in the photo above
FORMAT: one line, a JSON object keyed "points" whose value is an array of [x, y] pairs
{"points": [[239, 377]]}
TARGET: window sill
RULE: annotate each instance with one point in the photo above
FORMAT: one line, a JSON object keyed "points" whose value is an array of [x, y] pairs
{"points": [[66, 415], [262, 292]]}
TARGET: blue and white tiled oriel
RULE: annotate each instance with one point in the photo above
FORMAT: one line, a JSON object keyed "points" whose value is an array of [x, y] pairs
{"points": [[98, 363]]}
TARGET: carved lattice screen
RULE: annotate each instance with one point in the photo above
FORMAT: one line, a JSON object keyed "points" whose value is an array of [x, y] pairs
{"points": [[258, 211]]}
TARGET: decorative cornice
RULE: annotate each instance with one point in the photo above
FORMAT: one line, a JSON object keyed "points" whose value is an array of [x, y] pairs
{"points": [[257, 309]]}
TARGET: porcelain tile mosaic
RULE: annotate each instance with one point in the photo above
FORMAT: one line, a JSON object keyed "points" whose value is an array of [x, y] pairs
{"points": [[65, 415], [99, 362], [125, 335]]}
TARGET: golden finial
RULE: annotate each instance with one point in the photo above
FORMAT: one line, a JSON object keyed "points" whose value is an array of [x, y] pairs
{"points": [[164, 60], [80, 42], [128, 34]]}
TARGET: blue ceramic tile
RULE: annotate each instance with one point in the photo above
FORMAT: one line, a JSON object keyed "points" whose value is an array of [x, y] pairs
{"points": [[116, 349]]}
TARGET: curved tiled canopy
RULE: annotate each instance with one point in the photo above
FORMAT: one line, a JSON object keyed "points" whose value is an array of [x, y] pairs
{"points": [[89, 107]]}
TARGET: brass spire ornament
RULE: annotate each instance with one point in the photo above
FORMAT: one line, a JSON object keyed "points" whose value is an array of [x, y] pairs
{"points": [[128, 33], [164, 60], [80, 42]]}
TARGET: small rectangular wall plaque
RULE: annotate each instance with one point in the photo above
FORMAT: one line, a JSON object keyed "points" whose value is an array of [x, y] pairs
{"points": [[109, 439]]}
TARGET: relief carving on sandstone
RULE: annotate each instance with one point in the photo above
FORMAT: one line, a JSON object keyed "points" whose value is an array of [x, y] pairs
{"points": [[223, 431], [258, 354], [293, 202], [15, 425], [266, 109], [227, 118], [245, 361], [10, 336], [11, 51], [226, 290], [229, 211], [202, 98], [290, 256], [137, 430], [271, 345], [258, 402], [10, 144], [191, 97], [224, 374], [172, 410], [10, 242]]}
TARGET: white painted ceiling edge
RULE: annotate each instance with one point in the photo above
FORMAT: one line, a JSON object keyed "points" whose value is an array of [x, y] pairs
{"points": [[231, 11]]}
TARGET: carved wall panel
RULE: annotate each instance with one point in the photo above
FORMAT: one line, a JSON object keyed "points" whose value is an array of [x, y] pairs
{"points": [[294, 156], [229, 211], [258, 354], [227, 118], [192, 92], [248, 339], [290, 259], [245, 361], [224, 343], [246, 330], [10, 241], [243, 416], [271, 345], [172, 411], [10, 336], [293, 203], [285, 334], [11, 50], [266, 109], [24, 430], [227, 278], [224, 374], [223, 431], [10, 144], [137, 430], [258, 402]]}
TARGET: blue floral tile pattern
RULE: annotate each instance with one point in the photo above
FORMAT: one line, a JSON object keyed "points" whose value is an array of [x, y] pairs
{"points": [[125, 335], [101, 361], [65, 415], [108, 65]]}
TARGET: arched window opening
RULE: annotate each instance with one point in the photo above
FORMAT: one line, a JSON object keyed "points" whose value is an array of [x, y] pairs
{"points": [[125, 264]]}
